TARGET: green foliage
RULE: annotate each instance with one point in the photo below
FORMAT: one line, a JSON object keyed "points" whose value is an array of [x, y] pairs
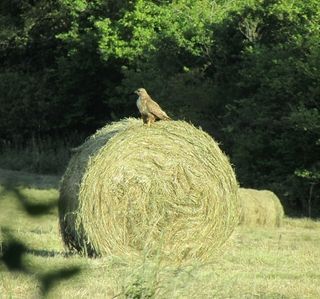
{"points": [[140, 32], [247, 71], [271, 123], [139, 289]]}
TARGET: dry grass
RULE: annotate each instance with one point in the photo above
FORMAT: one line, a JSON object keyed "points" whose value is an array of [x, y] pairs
{"points": [[259, 262], [260, 208], [131, 189]]}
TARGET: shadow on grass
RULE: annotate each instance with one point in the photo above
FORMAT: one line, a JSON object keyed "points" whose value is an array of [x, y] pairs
{"points": [[12, 250], [50, 253], [12, 254], [49, 280], [33, 209]]}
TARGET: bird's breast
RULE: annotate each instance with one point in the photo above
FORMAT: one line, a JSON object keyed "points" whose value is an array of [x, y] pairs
{"points": [[141, 106]]}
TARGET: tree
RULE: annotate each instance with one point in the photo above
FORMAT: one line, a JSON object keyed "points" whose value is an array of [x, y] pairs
{"points": [[247, 71], [276, 97]]}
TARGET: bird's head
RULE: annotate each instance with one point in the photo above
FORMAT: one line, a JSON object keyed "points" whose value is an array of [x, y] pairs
{"points": [[141, 92]]}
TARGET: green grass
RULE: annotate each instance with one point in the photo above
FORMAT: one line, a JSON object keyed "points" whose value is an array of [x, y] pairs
{"points": [[256, 263]]}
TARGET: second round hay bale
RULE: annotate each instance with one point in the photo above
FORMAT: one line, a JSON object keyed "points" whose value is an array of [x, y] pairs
{"points": [[131, 189], [260, 207]]}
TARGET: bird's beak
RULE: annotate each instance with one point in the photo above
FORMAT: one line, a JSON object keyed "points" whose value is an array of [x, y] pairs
{"points": [[136, 91]]}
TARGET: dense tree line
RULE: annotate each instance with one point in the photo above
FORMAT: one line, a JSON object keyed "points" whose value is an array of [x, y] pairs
{"points": [[247, 71]]}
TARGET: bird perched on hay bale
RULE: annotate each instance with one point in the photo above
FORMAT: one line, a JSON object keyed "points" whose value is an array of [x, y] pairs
{"points": [[260, 207], [131, 191], [150, 110]]}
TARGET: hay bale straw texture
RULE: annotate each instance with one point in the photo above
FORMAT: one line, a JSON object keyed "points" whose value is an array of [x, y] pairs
{"points": [[260, 208], [132, 189]]}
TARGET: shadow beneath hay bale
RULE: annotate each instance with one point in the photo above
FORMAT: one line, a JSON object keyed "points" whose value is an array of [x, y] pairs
{"points": [[53, 253], [46, 253]]}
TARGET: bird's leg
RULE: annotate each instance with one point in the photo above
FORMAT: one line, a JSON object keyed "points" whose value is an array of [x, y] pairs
{"points": [[149, 123], [144, 119]]}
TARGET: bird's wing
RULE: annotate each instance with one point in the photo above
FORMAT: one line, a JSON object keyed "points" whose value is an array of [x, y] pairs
{"points": [[156, 110]]}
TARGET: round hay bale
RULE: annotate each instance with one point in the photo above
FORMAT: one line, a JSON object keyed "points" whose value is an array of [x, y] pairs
{"points": [[260, 207], [166, 188]]}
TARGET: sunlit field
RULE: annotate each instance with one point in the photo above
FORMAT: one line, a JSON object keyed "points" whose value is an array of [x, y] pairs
{"points": [[257, 262]]}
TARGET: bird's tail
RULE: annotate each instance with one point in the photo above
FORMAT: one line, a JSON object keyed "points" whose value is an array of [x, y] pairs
{"points": [[166, 117]]}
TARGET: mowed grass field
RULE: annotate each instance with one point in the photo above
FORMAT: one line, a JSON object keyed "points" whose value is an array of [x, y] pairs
{"points": [[255, 263]]}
